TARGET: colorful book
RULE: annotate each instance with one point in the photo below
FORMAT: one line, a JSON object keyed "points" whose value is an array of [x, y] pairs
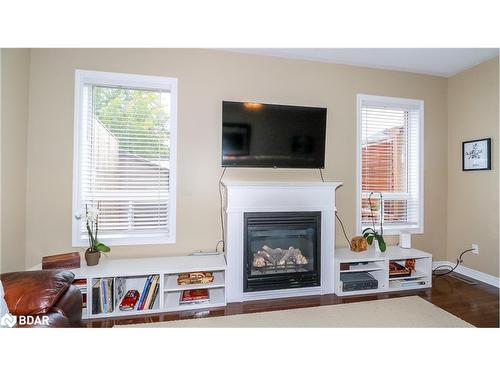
{"points": [[102, 295], [151, 290], [96, 302], [144, 292], [155, 293], [106, 302], [109, 286]]}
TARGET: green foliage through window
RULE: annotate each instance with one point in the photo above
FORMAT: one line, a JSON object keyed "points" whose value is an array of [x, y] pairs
{"points": [[137, 118]]}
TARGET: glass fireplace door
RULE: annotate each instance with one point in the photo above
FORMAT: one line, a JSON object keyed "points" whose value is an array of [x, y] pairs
{"points": [[282, 250]]}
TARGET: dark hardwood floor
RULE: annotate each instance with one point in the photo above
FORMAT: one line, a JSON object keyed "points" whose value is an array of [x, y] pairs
{"points": [[476, 304]]}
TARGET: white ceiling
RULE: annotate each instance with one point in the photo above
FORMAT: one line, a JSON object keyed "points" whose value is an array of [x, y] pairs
{"points": [[444, 62]]}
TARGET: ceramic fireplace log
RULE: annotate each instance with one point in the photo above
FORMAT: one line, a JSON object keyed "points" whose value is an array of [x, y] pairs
{"points": [[269, 256]]}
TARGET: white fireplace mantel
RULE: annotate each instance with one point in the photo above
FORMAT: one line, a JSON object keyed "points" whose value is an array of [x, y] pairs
{"points": [[241, 197]]}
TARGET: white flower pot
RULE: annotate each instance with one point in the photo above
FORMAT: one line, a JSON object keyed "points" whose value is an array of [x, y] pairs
{"points": [[376, 245]]}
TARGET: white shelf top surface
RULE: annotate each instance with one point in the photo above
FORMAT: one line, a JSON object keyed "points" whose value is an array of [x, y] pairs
{"points": [[391, 253], [281, 184], [144, 266]]}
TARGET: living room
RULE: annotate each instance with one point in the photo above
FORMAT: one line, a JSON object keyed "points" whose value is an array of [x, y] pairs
{"points": [[237, 187]]}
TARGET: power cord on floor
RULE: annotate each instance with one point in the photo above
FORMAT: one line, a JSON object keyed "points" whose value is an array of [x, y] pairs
{"points": [[450, 268]]}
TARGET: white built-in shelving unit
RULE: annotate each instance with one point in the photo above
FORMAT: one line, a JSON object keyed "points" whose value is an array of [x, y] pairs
{"points": [[376, 263], [134, 271], [133, 274]]}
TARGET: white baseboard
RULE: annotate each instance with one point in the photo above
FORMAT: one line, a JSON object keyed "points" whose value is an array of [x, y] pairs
{"points": [[469, 272]]}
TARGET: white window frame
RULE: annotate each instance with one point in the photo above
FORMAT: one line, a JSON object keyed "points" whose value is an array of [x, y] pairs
{"points": [[132, 81], [390, 102]]}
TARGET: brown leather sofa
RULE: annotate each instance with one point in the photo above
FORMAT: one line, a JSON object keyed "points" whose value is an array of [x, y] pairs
{"points": [[47, 293]]}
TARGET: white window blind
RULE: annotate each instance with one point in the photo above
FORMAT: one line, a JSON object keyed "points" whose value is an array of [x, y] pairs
{"points": [[125, 157], [390, 164]]}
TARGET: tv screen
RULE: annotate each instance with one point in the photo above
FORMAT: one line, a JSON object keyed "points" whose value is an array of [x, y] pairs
{"points": [[274, 136]]}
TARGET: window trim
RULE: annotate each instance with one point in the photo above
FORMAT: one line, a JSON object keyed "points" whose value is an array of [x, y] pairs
{"points": [[136, 81], [393, 102]]}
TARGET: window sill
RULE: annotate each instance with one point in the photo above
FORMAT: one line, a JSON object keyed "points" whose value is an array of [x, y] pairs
{"points": [[398, 231], [138, 241]]}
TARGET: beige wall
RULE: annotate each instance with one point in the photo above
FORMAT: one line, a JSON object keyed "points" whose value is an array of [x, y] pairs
{"points": [[1, 160], [15, 84], [473, 205], [205, 79]]}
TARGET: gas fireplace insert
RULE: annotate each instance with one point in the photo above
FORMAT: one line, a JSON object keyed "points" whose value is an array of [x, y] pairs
{"points": [[281, 250]]}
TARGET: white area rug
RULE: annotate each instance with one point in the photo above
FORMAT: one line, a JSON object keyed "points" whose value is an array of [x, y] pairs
{"points": [[393, 312]]}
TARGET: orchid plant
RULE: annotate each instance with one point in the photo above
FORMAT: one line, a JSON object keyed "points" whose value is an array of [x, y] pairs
{"points": [[91, 217], [371, 233]]}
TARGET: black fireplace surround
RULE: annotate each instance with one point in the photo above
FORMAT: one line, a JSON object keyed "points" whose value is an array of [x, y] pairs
{"points": [[281, 250]]}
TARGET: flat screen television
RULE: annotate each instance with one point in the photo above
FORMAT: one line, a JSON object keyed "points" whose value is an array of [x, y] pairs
{"points": [[272, 136]]}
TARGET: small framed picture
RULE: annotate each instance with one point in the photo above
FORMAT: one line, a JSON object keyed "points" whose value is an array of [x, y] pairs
{"points": [[476, 155]]}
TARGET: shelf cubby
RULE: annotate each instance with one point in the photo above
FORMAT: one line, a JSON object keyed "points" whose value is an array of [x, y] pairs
{"points": [[364, 266], [377, 264], [134, 272], [217, 298]]}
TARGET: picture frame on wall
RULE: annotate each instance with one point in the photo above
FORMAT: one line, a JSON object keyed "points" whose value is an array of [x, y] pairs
{"points": [[476, 155]]}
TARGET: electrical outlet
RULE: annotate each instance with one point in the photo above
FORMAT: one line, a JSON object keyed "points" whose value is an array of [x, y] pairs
{"points": [[476, 248]]}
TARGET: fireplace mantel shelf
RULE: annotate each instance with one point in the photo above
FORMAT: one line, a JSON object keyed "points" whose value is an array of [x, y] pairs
{"points": [[281, 184]]}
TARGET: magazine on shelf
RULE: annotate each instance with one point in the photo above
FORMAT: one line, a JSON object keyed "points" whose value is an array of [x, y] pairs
{"points": [[409, 282]]}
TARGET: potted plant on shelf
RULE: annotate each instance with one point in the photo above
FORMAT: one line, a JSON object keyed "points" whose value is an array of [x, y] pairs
{"points": [[371, 233], [93, 253]]}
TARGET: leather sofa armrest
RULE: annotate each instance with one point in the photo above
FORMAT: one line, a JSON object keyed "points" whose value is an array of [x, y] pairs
{"points": [[70, 305], [67, 312], [34, 292]]}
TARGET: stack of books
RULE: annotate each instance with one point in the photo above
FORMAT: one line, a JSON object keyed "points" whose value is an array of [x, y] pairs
{"points": [[81, 284], [194, 296], [149, 293], [398, 270], [102, 296]]}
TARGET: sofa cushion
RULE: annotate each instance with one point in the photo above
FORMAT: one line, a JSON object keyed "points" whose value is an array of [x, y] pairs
{"points": [[34, 292], [4, 309]]}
